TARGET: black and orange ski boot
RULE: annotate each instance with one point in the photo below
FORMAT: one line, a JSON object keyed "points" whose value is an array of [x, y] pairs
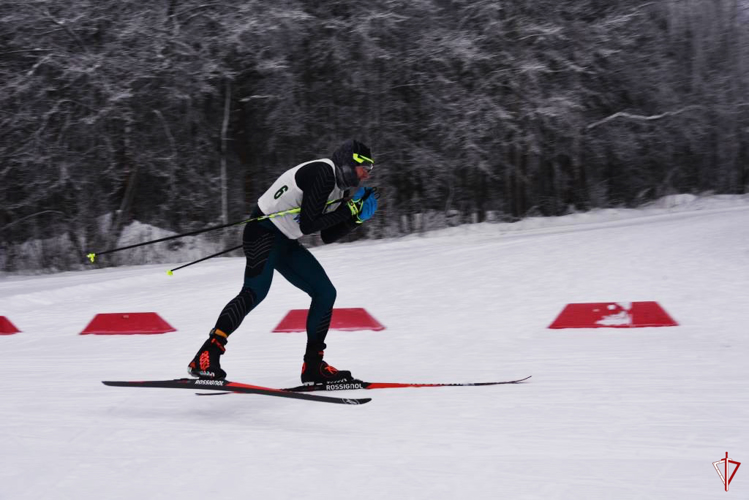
{"points": [[315, 371], [206, 363]]}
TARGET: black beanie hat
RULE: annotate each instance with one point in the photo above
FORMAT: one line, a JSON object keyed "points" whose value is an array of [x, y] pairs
{"points": [[345, 165]]}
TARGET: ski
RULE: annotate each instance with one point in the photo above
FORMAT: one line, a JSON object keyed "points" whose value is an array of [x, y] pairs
{"points": [[225, 386], [354, 385], [360, 384]]}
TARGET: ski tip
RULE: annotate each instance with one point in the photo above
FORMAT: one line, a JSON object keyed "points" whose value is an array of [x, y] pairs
{"points": [[360, 401]]}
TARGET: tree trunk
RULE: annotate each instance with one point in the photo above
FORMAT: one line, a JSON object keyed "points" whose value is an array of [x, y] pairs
{"points": [[224, 131]]}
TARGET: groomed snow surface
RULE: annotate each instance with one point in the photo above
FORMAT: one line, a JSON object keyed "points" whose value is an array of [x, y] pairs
{"points": [[610, 413]]}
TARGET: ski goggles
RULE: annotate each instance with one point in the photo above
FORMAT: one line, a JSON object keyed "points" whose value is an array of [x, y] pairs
{"points": [[364, 162]]}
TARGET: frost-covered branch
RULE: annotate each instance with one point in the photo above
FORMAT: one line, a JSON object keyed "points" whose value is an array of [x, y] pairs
{"points": [[168, 132], [22, 219], [64, 25], [630, 116]]}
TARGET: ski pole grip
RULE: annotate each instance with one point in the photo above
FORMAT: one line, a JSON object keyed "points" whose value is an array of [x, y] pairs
{"points": [[368, 193]]}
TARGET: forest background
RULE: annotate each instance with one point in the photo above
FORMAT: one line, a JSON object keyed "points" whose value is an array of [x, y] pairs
{"points": [[180, 113]]}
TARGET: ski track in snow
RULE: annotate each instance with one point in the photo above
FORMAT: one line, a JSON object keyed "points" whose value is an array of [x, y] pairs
{"points": [[609, 413]]}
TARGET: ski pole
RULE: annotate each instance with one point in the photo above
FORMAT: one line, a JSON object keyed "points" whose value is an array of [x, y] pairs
{"points": [[92, 256], [171, 271], [374, 191]]}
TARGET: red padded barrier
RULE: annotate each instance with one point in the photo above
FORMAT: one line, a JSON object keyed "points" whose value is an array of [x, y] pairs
{"points": [[143, 323], [346, 319], [6, 327], [613, 315]]}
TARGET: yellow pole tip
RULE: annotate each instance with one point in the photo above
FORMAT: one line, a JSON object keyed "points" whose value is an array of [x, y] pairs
{"points": [[170, 273], [91, 257]]}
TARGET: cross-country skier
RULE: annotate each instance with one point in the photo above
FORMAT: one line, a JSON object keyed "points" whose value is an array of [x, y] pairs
{"points": [[273, 244]]}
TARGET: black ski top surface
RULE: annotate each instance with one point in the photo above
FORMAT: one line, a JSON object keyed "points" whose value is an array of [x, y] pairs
{"points": [[353, 385], [228, 386]]}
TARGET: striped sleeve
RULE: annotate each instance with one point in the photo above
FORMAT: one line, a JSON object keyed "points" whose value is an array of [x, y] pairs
{"points": [[317, 181]]}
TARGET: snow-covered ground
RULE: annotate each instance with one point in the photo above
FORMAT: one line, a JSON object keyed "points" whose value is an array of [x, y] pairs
{"points": [[609, 413]]}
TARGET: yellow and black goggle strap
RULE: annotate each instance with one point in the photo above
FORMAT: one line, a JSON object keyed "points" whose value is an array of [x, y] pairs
{"points": [[365, 162]]}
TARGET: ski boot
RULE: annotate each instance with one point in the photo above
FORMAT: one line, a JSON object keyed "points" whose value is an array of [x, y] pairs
{"points": [[315, 371], [206, 363]]}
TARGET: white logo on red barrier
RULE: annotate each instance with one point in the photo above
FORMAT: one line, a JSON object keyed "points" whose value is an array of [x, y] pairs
{"points": [[724, 464], [620, 315]]}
